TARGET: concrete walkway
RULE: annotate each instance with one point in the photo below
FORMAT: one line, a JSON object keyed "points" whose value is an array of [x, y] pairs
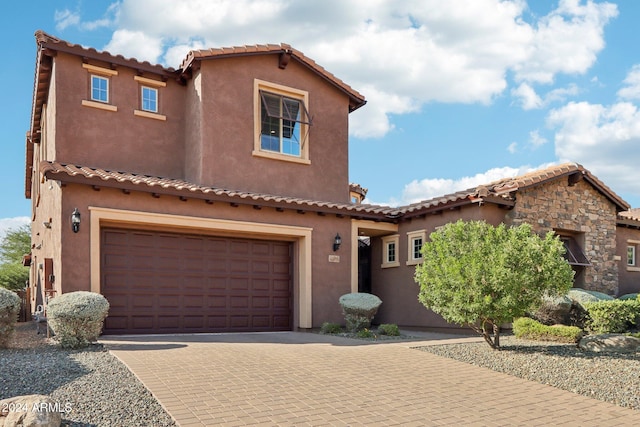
{"points": [[305, 379]]}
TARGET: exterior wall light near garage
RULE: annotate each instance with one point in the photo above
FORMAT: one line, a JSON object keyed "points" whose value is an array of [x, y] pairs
{"points": [[75, 220], [337, 241]]}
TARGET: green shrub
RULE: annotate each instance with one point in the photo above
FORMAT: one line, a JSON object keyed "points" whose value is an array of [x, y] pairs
{"points": [[76, 318], [9, 308], [390, 329], [629, 296], [527, 328], [358, 310], [365, 333], [611, 317], [583, 296], [331, 328]]}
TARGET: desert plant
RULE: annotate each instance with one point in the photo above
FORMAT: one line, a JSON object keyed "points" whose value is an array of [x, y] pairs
{"points": [[390, 329], [76, 318], [365, 333], [330, 328], [615, 316], [527, 328], [15, 244], [482, 276], [9, 308], [358, 310], [629, 296]]}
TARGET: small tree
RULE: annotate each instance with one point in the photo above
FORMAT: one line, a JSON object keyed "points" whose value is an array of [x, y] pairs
{"points": [[16, 243], [482, 276]]}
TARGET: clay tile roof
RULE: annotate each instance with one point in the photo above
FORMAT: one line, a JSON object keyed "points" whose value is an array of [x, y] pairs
{"points": [[177, 187], [502, 191], [357, 100]]}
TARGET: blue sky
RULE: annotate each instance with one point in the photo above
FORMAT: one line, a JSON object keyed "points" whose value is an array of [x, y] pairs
{"points": [[460, 92]]}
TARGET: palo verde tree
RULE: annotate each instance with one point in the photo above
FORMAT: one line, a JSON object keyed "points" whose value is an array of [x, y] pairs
{"points": [[483, 276], [16, 243]]}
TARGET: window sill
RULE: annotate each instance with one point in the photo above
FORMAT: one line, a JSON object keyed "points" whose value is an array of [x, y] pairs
{"points": [[149, 115], [283, 157], [633, 268], [414, 262], [99, 105], [390, 264]]}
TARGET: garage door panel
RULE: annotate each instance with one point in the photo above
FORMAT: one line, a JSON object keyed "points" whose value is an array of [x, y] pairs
{"points": [[169, 283]]}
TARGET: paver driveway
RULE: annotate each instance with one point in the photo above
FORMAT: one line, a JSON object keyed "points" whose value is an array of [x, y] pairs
{"points": [[295, 378]]}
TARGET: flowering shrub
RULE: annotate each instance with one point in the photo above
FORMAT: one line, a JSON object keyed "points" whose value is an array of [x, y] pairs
{"points": [[76, 318], [359, 309], [9, 308]]}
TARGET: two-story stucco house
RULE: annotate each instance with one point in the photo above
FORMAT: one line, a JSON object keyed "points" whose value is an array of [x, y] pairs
{"points": [[216, 196]]}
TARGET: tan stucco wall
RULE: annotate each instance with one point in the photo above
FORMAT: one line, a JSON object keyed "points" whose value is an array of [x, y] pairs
{"points": [[116, 140], [220, 152], [579, 209], [329, 280], [628, 277]]}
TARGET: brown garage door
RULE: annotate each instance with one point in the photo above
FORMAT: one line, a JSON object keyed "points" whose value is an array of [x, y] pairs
{"points": [[159, 282]]}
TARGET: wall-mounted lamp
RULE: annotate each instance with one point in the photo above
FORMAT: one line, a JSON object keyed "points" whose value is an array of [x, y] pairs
{"points": [[337, 241], [75, 220], [47, 224]]}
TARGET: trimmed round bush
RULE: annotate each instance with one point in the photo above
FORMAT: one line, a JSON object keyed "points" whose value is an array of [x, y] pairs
{"points": [[359, 309], [629, 296], [582, 296], [9, 309], [76, 318]]}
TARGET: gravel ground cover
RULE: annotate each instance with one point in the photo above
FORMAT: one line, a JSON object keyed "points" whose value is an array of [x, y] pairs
{"points": [[95, 386], [614, 378]]}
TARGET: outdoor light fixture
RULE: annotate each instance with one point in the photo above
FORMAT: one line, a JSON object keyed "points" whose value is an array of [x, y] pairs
{"points": [[337, 241], [75, 220]]}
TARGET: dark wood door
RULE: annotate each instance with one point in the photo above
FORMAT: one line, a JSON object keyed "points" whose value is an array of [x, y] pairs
{"points": [[159, 282]]}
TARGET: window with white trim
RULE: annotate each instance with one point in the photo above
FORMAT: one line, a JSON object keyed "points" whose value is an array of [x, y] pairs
{"points": [[99, 89], [149, 102], [390, 255], [415, 240], [99, 95], [631, 256], [282, 122]]}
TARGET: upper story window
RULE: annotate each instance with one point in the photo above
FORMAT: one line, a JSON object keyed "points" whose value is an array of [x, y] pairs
{"points": [[631, 256], [99, 87], [282, 122], [149, 99], [149, 104], [415, 240]]}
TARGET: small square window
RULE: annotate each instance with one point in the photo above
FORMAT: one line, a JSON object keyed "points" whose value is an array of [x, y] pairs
{"points": [[149, 99], [631, 256], [99, 89]]}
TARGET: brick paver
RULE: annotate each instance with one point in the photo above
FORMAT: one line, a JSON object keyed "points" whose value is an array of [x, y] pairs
{"points": [[303, 379]]}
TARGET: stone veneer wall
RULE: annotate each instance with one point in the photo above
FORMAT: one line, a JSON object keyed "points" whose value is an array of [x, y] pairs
{"points": [[579, 209]]}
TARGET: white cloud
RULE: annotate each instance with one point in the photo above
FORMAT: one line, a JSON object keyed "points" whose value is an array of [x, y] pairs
{"points": [[12, 224], [429, 188], [528, 97], [631, 90], [400, 55], [513, 148], [536, 140], [135, 44], [605, 139], [65, 18]]}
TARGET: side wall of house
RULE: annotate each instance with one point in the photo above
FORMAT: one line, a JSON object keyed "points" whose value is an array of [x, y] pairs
{"points": [[396, 286], [92, 135], [221, 151], [628, 275], [579, 211]]}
